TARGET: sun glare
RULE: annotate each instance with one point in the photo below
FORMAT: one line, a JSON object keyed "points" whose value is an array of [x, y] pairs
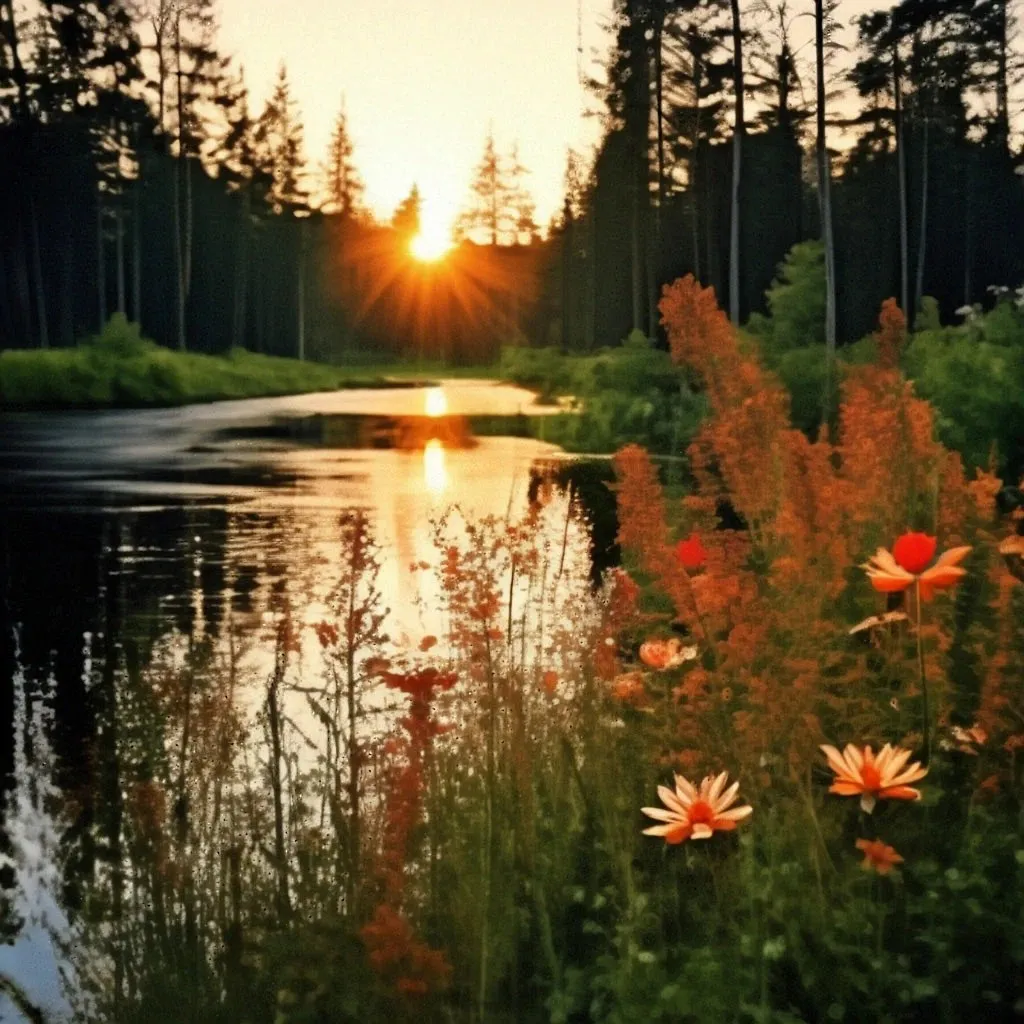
{"points": [[429, 245], [435, 402], [435, 472]]}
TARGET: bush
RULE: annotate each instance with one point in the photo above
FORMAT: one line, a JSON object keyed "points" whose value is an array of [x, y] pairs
{"points": [[974, 376], [796, 301]]}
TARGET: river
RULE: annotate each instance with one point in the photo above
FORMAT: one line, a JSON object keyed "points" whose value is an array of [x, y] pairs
{"points": [[128, 534]]}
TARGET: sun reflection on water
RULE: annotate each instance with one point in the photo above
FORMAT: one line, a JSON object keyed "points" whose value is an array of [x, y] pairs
{"points": [[435, 402], [435, 470]]}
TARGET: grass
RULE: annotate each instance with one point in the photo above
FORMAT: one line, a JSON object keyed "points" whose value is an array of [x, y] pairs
{"points": [[119, 368]]}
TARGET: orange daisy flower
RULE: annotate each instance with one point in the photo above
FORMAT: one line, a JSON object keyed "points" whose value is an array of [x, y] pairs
{"points": [[690, 813], [878, 856], [665, 654], [907, 563], [859, 772]]}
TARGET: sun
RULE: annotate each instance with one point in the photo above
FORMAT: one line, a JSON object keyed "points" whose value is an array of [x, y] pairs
{"points": [[430, 244]]}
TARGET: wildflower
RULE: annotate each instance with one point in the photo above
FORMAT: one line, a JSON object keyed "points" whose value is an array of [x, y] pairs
{"points": [[691, 553], [878, 856], [874, 778], [965, 740], [549, 681], [628, 687], [665, 654], [690, 813], [906, 564]]}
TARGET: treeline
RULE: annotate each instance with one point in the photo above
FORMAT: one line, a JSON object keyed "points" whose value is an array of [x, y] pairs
{"points": [[138, 180], [714, 159]]}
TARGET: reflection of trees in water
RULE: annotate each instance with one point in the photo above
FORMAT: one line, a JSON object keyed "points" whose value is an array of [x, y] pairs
{"points": [[224, 793]]}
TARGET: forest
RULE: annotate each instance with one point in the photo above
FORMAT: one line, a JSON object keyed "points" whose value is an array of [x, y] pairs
{"points": [[688, 694], [139, 181]]}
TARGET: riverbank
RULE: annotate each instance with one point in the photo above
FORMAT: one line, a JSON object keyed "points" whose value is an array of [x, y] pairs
{"points": [[121, 369]]}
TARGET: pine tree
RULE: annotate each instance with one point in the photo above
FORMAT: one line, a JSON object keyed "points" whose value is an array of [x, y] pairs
{"points": [[344, 187], [774, 77], [501, 208], [279, 146], [406, 218]]}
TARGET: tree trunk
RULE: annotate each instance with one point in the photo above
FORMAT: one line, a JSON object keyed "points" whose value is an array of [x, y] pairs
{"points": [[37, 272], [301, 284], [737, 162], [968, 225], [636, 254], [101, 262], [238, 317], [922, 238], [119, 248], [901, 170], [137, 246], [825, 201], [567, 296], [10, 31], [657, 247], [179, 253]]}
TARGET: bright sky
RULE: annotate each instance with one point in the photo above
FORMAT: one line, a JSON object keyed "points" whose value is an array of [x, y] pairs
{"points": [[423, 80]]}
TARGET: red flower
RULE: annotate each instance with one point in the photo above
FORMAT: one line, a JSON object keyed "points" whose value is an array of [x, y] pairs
{"points": [[895, 571], [914, 552], [691, 553]]}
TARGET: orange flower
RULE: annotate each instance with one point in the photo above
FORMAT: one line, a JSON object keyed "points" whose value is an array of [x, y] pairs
{"points": [[874, 778], [629, 687], [691, 553], [891, 572], [549, 681], [878, 856], [690, 813], [665, 654]]}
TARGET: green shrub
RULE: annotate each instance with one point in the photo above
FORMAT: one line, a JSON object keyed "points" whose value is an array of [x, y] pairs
{"points": [[974, 376], [796, 303]]}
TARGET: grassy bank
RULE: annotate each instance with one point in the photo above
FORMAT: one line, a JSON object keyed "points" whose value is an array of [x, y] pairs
{"points": [[119, 368]]}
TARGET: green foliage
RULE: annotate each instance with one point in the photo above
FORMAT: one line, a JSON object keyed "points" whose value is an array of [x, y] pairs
{"points": [[974, 376], [796, 300], [631, 393], [928, 317], [121, 368]]}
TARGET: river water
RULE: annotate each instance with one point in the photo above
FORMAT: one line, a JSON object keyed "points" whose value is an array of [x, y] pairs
{"points": [[127, 533]]}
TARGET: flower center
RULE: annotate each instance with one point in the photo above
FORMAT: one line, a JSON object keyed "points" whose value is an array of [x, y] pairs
{"points": [[701, 813], [870, 777]]}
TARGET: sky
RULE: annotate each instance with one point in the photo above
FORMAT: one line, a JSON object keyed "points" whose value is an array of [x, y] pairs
{"points": [[423, 81]]}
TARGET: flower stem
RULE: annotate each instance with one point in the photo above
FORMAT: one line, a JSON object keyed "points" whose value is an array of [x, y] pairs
{"points": [[925, 712]]}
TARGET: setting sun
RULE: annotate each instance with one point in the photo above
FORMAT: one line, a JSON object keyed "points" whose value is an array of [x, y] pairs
{"points": [[430, 245]]}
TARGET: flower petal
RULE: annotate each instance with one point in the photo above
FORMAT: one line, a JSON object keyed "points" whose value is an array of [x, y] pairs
{"points": [[728, 798], [702, 831], [671, 800], [867, 802], [660, 814], [736, 814], [846, 788], [913, 774], [685, 791], [899, 793], [716, 788], [835, 760]]}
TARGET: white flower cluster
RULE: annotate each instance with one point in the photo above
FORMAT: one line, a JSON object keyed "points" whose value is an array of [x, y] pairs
{"points": [[1001, 293]]}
